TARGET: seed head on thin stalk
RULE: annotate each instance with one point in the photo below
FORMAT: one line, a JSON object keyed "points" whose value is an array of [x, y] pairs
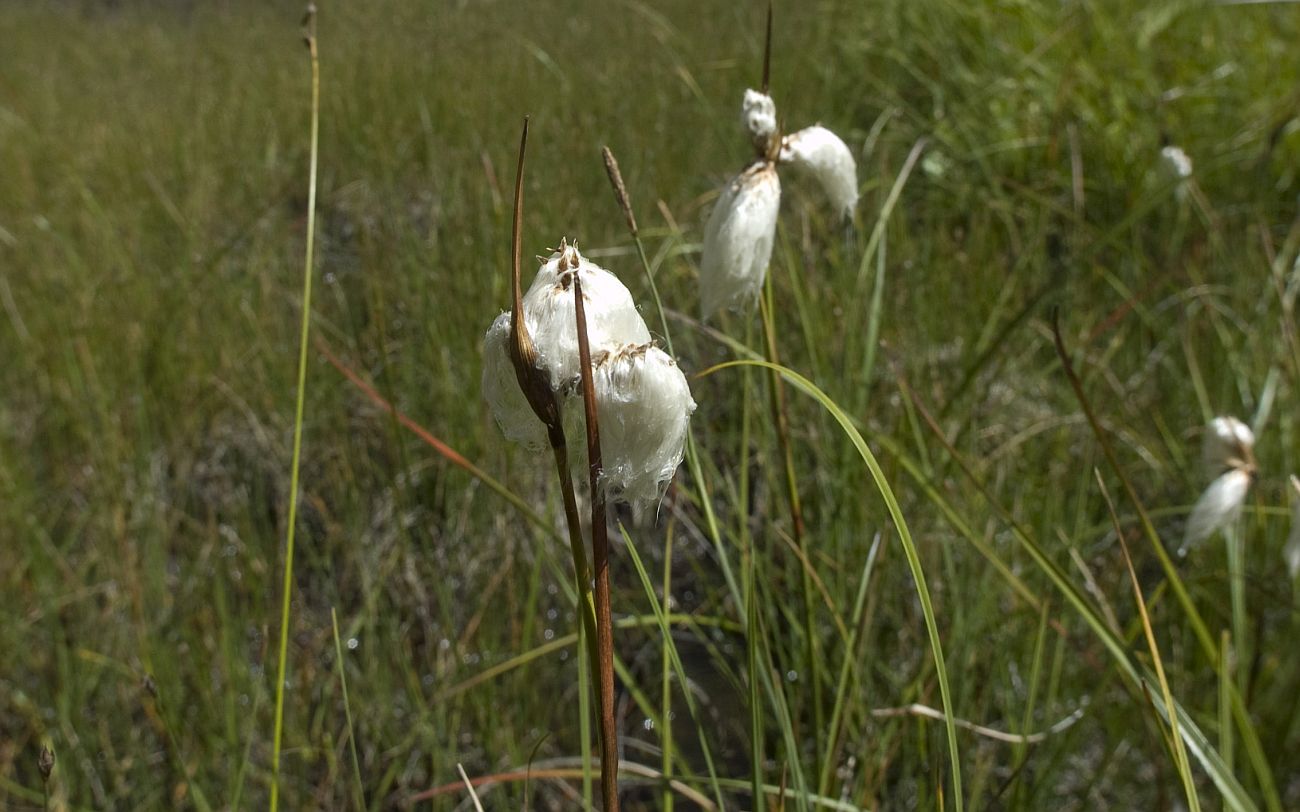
{"points": [[1228, 456], [742, 227], [620, 191]]}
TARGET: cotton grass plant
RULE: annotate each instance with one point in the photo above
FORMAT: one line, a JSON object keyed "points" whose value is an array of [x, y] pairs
{"points": [[581, 358], [739, 234], [1229, 456]]}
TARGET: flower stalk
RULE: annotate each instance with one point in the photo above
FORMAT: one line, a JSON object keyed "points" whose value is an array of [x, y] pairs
{"points": [[309, 39], [604, 663]]}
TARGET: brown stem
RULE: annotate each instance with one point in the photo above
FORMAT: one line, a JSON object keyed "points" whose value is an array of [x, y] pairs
{"points": [[581, 571], [600, 555]]}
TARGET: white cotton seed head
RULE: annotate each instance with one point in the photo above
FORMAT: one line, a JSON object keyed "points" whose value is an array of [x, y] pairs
{"points": [[758, 116], [1176, 167], [644, 405], [549, 316], [510, 409], [821, 153], [612, 316], [1292, 550], [738, 239], [1217, 508], [1175, 162], [1229, 443]]}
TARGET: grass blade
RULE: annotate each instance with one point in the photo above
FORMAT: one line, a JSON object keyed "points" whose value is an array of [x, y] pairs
{"points": [[287, 586], [347, 711]]}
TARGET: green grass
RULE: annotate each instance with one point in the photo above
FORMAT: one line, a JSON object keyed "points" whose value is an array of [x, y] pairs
{"points": [[153, 205]]}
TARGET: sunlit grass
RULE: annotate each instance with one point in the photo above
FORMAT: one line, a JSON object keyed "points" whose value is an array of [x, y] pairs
{"points": [[152, 226]]}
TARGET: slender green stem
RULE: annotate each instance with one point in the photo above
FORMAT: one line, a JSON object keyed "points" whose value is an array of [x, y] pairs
{"points": [[666, 709], [781, 418], [755, 707], [347, 711], [1237, 597], [287, 586]]}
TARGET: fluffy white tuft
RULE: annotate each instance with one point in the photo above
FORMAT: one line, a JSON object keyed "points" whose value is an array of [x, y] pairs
{"points": [[1229, 443], [1292, 550], [644, 404], [612, 315], [758, 116], [738, 239], [1218, 507], [824, 155], [1175, 162], [642, 397], [1176, 167], [501, 389]]}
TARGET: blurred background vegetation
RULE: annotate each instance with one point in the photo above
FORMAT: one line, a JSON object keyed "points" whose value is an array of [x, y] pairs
{"points": [[153, 175]]}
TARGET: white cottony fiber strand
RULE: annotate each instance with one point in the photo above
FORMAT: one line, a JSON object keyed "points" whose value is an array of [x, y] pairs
{"points": [[738, 239], [1218, 507], [501, 390], [824, 155]]}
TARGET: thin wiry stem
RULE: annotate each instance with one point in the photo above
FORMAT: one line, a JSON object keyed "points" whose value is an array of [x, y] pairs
{"points": [[767, 50], [781, 417], [581, 569], [600, 555], [347, 712], [309, 21]]}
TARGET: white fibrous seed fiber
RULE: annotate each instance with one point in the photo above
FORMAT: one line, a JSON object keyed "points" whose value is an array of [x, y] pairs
{"points": [[1176, 167], [1175, 162], [612, 316], [501, 390], [758, 116], [738, 239], [1228, 444], [1217, 508], [822, 154], [642, 397], [644, 404]]}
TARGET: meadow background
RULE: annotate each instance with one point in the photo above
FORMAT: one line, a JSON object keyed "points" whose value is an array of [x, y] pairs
{"points": [[153, 175]]}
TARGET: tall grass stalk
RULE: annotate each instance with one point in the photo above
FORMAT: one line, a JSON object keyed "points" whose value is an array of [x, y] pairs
{"points": [[347, 711], [309, 36], [781, 421], [1181, 764], [1236, 549], [600, 556], [666, 685]]}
